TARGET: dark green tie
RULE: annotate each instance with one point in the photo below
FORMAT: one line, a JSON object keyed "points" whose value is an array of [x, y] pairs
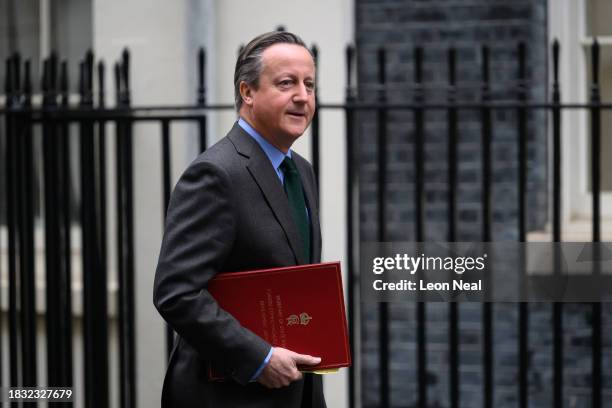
{"points": [[295, 194]]}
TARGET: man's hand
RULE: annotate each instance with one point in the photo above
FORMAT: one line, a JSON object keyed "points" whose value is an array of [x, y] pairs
{"points": [[282, 370]]}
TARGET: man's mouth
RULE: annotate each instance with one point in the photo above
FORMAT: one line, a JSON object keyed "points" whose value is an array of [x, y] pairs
{"points": [[297, 114]]}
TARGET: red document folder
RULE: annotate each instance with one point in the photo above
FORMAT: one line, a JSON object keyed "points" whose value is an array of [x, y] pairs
{"points": [[300, 308]]}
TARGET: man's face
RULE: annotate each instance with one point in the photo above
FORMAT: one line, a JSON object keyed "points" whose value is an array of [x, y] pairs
{"points": [[282, 106]]}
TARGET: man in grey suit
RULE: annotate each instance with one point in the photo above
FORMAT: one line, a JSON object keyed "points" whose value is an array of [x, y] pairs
{"points": [[248, 202]]}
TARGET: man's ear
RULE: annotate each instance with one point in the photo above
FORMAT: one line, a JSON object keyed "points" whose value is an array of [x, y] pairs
{"points": [[246, 93]]}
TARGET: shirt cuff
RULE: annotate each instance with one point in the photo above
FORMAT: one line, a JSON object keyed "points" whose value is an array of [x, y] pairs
{"points": [[262, 366]]}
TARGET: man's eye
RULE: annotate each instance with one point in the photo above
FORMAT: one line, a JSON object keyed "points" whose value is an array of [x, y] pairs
{"points": [[285, 82], [310, 85]]}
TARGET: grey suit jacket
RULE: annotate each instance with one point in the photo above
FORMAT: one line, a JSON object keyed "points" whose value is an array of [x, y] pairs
{"points": [[228, 212]]}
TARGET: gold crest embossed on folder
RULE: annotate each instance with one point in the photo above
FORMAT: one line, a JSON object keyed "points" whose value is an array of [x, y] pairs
{"points": [[303, 319], [293, 319]]}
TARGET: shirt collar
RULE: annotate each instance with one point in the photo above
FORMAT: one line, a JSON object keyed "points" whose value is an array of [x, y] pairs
{"points": [[276, 156]]}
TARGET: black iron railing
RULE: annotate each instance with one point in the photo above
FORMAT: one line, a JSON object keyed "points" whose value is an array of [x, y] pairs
{"points": [[54, 117]]}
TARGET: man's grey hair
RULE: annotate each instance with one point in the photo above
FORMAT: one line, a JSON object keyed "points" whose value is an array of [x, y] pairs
{"points": [[248, 64]]}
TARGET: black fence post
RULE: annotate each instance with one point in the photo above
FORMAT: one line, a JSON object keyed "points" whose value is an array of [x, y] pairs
{"points": [[126, 242], [26, 231], [202, 97], [523, 317], [453, 314], [95, 320], [99, 144], [315, 125], [596, 321], [12, 213], [101, 166], [3, 201], [167, 188], [419, 221], [52, 227], [487, 307], [352, 197], [65, 205], [383, 307], [119, 199], [557, 307]]}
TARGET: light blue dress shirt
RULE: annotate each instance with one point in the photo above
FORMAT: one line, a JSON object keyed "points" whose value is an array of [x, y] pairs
{"points": [[276, 156]]}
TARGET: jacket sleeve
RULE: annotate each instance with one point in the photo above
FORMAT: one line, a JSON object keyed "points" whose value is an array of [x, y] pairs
{"points": [[199, 234]]}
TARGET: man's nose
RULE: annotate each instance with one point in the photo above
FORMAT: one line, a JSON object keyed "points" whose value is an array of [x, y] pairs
{"points": [[301, 93]]}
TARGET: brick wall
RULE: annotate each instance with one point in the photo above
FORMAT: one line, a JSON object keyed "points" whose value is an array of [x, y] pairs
{"points": [[436, 25]]}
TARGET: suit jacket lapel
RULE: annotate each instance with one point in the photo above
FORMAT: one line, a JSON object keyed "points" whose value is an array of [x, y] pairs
{"points": [[264, 175]]}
